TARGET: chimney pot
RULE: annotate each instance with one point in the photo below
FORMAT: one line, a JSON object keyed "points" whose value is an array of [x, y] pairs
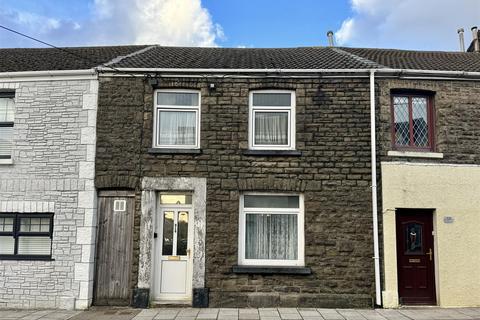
{"points": [[330, 38], [475, 41], [462, 39]]}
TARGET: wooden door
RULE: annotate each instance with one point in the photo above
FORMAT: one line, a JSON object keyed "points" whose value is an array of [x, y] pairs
{"points": [[416, 271], [114, 248]]}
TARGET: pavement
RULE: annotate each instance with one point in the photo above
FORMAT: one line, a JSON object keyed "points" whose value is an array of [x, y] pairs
{"points": [[105, 313]]}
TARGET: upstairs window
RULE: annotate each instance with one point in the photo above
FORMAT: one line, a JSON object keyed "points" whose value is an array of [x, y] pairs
{"points": [[7, 109], [26, 236], [177, 119], [272, 120], [412, 126]]}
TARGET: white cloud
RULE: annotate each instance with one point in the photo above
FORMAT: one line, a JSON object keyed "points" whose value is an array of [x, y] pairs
{"points": [[165, 22], [410, 24]]}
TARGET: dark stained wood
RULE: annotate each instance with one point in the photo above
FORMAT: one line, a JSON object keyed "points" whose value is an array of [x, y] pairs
{"points": [[416, 271], [114, 250]]}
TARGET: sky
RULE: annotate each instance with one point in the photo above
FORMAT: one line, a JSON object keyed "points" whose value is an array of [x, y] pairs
{"points": [[401, 24]]}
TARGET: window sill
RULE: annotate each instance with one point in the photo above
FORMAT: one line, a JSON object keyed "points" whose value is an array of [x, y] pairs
{"points": [[174, 151], [6, 161], [271, 270], [416, 154], [29, 258], [277, 153]]}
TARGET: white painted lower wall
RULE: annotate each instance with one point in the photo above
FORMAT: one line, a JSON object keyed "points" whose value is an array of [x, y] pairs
{"points": [[453, 191]]}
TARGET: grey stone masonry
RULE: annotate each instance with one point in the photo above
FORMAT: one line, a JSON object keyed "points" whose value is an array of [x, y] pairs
{"points": [[52, 170]]}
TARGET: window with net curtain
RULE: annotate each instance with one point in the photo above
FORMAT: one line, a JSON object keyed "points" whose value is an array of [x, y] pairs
{"points": [[26, 236], [7, 109], [177, 119], [271, 230], [272, 120]]}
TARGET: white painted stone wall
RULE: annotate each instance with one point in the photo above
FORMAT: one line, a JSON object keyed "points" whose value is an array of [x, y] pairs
{"points": [[52, 170]]}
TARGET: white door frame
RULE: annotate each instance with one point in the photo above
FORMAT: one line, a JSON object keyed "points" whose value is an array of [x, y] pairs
{"points": [[158, 258]]}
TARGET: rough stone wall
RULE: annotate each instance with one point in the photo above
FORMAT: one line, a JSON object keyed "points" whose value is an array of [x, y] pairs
{"points": [[332, 118], [52, 171], [456, 109]]}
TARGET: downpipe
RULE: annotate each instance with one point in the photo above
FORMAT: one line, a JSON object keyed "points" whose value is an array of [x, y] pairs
{"points": [[373, 143]]}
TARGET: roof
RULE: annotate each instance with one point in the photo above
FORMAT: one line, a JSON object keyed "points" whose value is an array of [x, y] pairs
{"points": [[243, 58], [420, 60], [161, 57], [41, 59]]}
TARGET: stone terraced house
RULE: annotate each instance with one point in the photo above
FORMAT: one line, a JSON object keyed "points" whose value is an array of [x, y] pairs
{"points": [[242, 177], [48, 108]]}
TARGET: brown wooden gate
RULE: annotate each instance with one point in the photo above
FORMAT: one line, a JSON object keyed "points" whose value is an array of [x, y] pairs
{"points": [[114, 247]]}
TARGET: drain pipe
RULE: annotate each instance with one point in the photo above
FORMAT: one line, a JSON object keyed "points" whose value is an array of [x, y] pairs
{"points": [[376, 257]]}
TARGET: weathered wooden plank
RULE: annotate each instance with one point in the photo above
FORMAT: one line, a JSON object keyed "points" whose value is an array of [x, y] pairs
{"points": [[114, 251]]}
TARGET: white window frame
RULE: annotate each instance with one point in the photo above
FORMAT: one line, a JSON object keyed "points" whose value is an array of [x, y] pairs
{"points": [[291, 121], [7, 158], [300, 262], [158, 108]]}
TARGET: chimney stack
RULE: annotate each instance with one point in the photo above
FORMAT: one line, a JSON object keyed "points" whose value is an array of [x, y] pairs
{"points": [[475, 41], [330, 38], [462, 40]]}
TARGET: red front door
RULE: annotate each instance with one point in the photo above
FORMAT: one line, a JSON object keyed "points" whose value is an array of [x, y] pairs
{"points": [[416, 273]]}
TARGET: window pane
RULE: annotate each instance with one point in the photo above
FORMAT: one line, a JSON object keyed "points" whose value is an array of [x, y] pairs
{"points": [[7, 109], [254, 201], [413, 236], [271, 128], [272, 99], [271, 236], [34, 245], [34, 224], [402, 124], [182, 234], [6, 136], [7, 245], [167, 245], [176, 127], [176, 199], [6, 224], [420, 122], [177, 99]]}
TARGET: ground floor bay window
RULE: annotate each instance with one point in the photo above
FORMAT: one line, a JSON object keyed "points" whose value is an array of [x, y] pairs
{"points": [[271, 230]]}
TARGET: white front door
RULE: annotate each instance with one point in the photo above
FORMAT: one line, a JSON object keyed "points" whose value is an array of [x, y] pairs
{"points": [[173, 253]]}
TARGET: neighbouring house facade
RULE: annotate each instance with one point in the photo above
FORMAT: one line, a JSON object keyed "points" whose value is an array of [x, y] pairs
{"points": [[245, 177], [239, 177], [48, 108]]}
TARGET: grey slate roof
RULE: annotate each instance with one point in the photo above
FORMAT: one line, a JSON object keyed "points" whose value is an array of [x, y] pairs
{"points": [[243, 58], [235, 58], [420, 60], [40, 59]]}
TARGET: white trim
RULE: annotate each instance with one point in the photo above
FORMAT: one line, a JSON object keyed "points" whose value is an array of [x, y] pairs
{"points": [[433, 164], [290, 110], [6, 161], [415, 154], [239, 70], [300, 212], [196, 109], [48, 75]]}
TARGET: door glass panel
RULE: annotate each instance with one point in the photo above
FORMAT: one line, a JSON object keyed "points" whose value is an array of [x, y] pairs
{"points": [[182, 233], [167, 245], [413, 238], [176, 199]]}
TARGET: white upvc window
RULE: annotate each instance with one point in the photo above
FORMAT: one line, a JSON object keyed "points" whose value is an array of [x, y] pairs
{"points": [[177, 119], [272, 120], [7, 110], [271, 230]]}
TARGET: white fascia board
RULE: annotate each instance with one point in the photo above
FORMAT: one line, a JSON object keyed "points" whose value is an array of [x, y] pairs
{"points": [[48, 75]]}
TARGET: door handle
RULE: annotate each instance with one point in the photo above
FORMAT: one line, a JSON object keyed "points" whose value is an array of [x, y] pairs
{"points": [[430, 253]]}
